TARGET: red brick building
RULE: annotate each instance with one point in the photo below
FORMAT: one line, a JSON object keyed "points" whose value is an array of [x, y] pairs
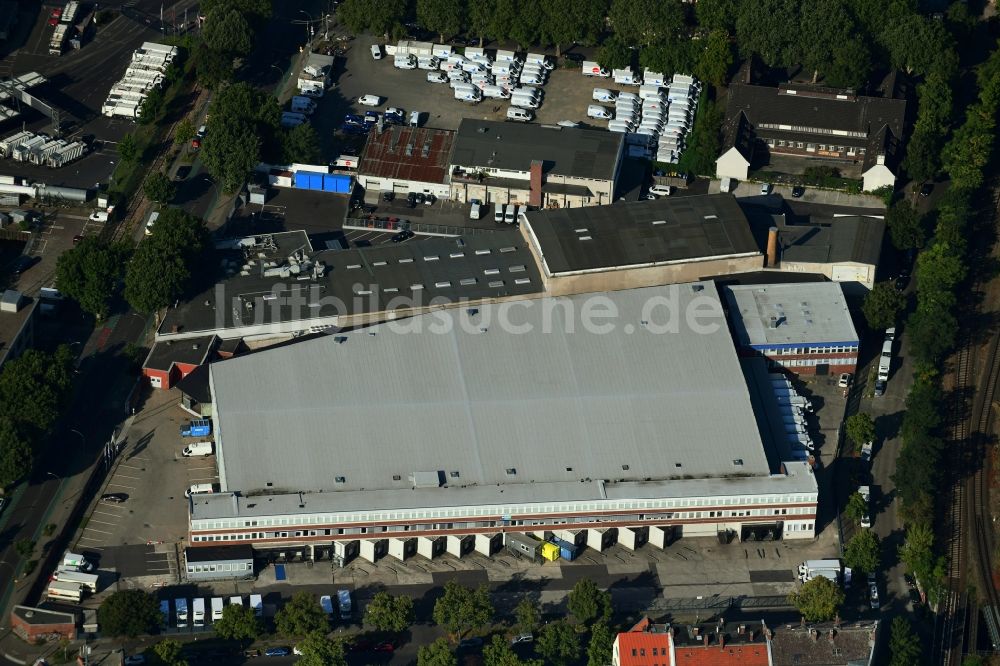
{"points": [[649, 644], [34, 624], [170, 361]]}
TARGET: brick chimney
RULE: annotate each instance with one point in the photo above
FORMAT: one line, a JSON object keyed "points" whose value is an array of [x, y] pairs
{"points": [[772, 246], [705, 640], [722, 641], [535, 196], [831, 635]]}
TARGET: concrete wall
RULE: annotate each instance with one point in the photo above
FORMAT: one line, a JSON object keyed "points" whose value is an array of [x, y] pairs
{"points": [[878, 176], [732, 164]]}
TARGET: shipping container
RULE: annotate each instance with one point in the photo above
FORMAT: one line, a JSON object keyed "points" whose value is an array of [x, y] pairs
{"points": [[524, 545], [567, 551]]}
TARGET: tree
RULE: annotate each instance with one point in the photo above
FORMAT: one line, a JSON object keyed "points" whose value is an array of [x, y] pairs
{"points": [[319, 650], [159, 188], [906, 226], [128, 148], [558, 643], [715, 59], [212, 67], [717, 14], [301, 616], [602, 641], [230, 153], [818, 599], [437, 653], [588, 603], [388, 613], [614, 53], [301, 145], [15, 453], [568, 21], [163, 266], [502, 19], [904, 644], [151, 106], [379, 17], [883, 305], [442, 16], [755, 31], [170, 653], [863, 552], [183, 132], [242, 129], [34, 388], [89, 273], [972, 660], [857, 506], [499, 653], [238, 623], [860, 429], [527, 615], [646, 22], [524, 28], [129, 613], [227, 31], [257, 10], [462, 609]]}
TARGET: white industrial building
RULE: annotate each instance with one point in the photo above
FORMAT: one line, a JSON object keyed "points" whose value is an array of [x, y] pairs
{"points": [[444, 431]]}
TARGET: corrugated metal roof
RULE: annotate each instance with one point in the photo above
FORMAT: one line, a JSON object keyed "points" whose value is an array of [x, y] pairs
{"points": [[453, 391]]}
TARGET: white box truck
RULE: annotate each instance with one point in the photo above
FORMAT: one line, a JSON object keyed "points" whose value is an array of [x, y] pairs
{"points": [[198, 449], [216, 609], [198, 612], [72, 561], [236, 601], [87, 580], [64, 591], [594, 69]]}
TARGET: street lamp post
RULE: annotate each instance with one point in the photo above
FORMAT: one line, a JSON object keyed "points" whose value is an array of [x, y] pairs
{"points": [[308, 25]]}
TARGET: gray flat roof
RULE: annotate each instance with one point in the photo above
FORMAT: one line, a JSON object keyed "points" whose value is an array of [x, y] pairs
{"points": [[800, 313], [462, 395], [580, 153], [849, 239], [473, 267], [669, 229]]}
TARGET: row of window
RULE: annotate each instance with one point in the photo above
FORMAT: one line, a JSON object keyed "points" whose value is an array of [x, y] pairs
{"points": [[798, 527], [805, 145], [495, 510], [812, 130], [205, 568], [795, 351], [813, 362]]}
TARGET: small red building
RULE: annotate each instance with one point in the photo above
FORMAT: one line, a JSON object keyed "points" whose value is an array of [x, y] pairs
{"points": [[649, 644], [170, 361], [34, 624]]}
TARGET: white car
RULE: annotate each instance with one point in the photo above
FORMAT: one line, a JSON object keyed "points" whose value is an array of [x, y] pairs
{"points": [[395, 111], [765, 188], [369, 100], [376, 52], [661, 190], [437, 77]]}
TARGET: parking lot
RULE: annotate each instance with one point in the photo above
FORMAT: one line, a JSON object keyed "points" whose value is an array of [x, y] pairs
{"points": [[151, 472], [57, 231]]}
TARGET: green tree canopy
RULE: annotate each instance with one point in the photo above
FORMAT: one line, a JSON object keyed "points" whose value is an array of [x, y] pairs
{"points": [[129, 613], [498, 652], [441, 16], [857, 506], [34, 388], [568, 21], [906, 226], [301, 616], [319, 650], [462, 609], [164, 265], [755, 31], [170, 653], [159, 188], [715, 59], [863, 552], [614, 53], [388, 613], [525, 26], [602, 641], [90, 272], [15, 453], [242, 129], [227, 31], [212, 68], [904, 645], [128, 148], [588, 603], [256, 9], [860, 428], [183, 132], [717, 14], [438, 653], [646, 22], [378, 17], [479, 17], [818, 599], [527, 615], [238, 623], [300, 144], [558, 643], [883, 305]]}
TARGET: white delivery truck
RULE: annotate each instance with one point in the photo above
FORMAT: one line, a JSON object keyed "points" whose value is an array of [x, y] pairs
{"points": [[507, 56], [650, 92], [64, 591], [216, 609], [496, 92], [181, 612], [236, 601], [72, 561], [468, 93], [626, 77], [519, 114], [404, 61], [198, 612], [594, 69], [539, 59], [198, 449], [257, 604], [603, 95], [885, 361], [87, 580], [654, 78], [620, 126], [598, 111]]}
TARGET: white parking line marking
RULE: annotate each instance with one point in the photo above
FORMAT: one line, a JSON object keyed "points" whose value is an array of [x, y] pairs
{"points": [[112, 515], [102, 522], [126, 476], [121, 485], [87, 538], [94, 529], [130, 467], [204, 478]]}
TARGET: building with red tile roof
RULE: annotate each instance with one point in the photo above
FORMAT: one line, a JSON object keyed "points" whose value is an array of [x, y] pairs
{"points": [[650, 644]]}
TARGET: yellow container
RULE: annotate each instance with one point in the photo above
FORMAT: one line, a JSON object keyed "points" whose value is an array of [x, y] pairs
{"points": [[550, 551]]}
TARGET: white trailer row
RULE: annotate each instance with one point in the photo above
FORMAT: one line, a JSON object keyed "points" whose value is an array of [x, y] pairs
{"points": [[146, 72], [40, 149]]}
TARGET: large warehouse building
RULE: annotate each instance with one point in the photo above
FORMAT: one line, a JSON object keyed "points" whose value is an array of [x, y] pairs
{"points": [[445, 431]]}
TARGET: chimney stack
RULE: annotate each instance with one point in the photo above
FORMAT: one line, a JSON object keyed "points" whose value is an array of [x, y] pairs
{"points": [[814, 634], [772, 247], [705, 640], [722, 641], [750, 636], [830, 635]]}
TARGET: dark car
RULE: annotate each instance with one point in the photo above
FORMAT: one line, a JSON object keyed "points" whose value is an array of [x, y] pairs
{"points": [[470, 643], [403, 235], [926, 189], [77, 238], [348, 128], [385, 647], [573, 57], [115, 498], [879, 387], [420, 198], [23, 263], [182, 172], [388, 196], [900, 282], [430, 199], [354, 119], [279, 651], [798, 191]]}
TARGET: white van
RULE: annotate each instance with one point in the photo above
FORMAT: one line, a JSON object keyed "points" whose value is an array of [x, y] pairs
{"points": [[428, 62], [405, 62], [522, 212], [236, 601], [594, 69], [476, 210], [620, 126], [199, 489], [539, 59], [72, 561], [524, 102], [151, 222], [414, 119], [603, 95], [257, 604], [496, 92], [198, 612], [376, 51], [198, 449], [216, 609], [369, 100], [498, 214], [521, 115], [885, 360], [599, 112], [508, 216], [466, 95], [649, 92]]}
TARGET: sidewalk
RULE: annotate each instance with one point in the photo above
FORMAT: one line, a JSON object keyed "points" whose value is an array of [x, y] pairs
{"points": [[812, 195]]}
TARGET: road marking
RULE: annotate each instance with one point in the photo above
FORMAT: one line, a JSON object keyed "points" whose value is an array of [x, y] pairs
{"points": [[126, 476], [204, 478], [102, 522], [94, 529], [82, 538], [206, 467], [131, 467], [121, 485]]}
